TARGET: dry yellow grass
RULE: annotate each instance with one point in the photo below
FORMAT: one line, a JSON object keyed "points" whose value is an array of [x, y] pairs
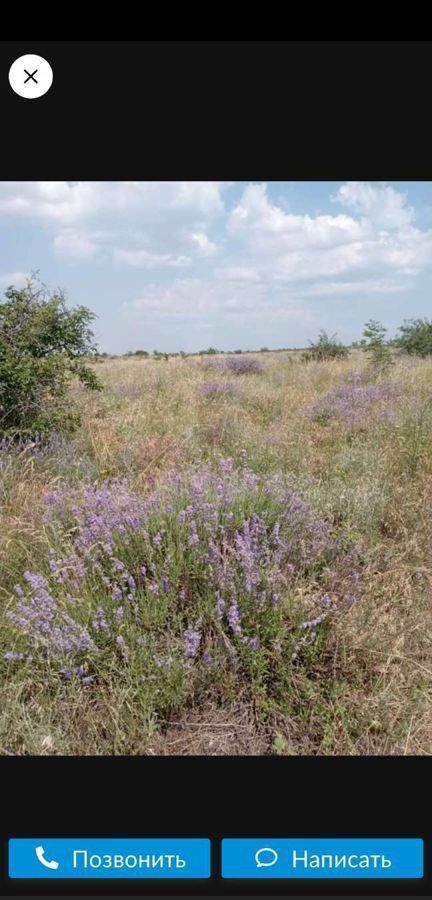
{"points": [[372, 690]]}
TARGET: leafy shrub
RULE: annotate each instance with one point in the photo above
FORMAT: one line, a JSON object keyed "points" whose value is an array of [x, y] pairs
{"points": [[216, 570], [42, 347], [376, 346], [416, 337], [325, 348]]}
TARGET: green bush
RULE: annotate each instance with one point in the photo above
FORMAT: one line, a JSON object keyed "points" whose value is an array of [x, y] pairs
{"points": [[416, 337], [43, 346], [325, 347], [377, 347]]}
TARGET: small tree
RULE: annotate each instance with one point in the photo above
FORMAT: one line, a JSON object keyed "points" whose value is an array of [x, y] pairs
{"points": [[376, 346], [43, 346], [416, 337], [325, 348]]}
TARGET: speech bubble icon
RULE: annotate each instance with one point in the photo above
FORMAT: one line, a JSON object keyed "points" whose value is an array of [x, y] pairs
{"points": [[262, 857]]}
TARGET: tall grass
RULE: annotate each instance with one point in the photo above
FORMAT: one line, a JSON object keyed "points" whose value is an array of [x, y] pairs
{"points": [[274, 568]]}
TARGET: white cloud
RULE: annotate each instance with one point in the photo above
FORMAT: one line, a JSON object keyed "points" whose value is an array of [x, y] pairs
{"points": [[256, 261], [144, 260], [263, 226], [236, 273], [206, 300], [47, 201], [71, 244], [278, 246], [381, 204], [349, 289], [66, 201], [15, 279], [139, 223], [204, 246], [202, 196]]}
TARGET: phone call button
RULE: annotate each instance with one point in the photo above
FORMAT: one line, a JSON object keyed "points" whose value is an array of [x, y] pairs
{"points": [[109, 858]]}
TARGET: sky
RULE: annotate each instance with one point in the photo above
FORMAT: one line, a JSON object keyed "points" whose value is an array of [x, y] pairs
{"points": [[188, 265]]}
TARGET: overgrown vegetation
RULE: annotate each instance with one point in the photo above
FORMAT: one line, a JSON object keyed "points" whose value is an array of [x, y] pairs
{"points": [[43, 346], [235, 565], [377, 348], [416, 337], [325, 347]]}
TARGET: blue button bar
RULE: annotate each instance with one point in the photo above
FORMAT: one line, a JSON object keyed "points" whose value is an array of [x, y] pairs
{"points": [[322, 858], [109, 858]]}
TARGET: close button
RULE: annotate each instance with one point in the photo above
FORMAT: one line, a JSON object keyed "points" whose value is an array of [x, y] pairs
{"points": [[30, 76]]}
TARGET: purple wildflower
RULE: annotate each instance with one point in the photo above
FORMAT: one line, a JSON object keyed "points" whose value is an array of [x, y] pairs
{"points": [[238, 365], [242, 536], [354, 401], [254, 643], [99, 622], [193, 534], [192, 640], [226, 465], [220, 606], [69, 671], [234, 618]]}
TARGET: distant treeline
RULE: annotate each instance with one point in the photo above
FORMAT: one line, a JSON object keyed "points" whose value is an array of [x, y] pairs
{"points": [[415, 337], [211, 351]]}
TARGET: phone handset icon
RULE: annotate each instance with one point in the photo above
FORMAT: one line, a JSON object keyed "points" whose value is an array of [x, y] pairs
{"points": [[49, 864]]}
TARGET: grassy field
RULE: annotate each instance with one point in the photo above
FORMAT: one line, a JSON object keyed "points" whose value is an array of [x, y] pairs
{"points": [[261, 584]]}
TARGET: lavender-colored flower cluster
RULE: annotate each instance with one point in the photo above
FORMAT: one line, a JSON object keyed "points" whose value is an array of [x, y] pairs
{"points": [[238, 365], [96, 514], [210, 552], [192, 640], [38, 445], [354, 401], [49, 626], [79, 672]]}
